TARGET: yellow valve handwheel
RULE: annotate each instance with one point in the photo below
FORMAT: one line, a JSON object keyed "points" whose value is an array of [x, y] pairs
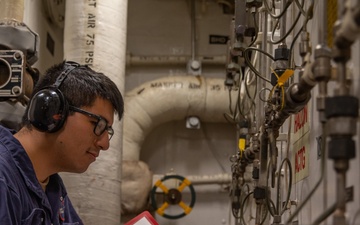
{"points": [[173, 196]]}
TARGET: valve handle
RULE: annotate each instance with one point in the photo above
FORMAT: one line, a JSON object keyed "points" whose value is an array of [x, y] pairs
{"points": [[173, 196]]}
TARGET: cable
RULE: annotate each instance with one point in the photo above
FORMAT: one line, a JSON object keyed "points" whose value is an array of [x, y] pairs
{"points": [[275, 210], [247, 81], [309, 16], [256, 28], [248, 62], [300, 7], [269, 10], [287, 33], [232, 116], [240, 105], [241, 208], [263, 89], [290, 182]]}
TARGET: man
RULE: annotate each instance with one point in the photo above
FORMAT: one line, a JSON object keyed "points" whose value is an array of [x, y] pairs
{"points": [[66, 125]]}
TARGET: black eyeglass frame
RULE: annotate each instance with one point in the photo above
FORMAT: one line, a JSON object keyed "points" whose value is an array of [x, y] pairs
{"points": [[109, 129]]}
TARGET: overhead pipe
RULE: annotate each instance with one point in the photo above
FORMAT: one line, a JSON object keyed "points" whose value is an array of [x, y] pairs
{"points": [[135, 60], [95, 35], [171, 98], [222, 178], [193, 30]]}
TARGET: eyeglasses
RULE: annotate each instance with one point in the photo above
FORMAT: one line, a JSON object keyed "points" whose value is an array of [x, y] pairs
{"points": [[101, 123]]}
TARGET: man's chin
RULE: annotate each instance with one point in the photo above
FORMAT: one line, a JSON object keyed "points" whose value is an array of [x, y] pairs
{"points": [[79, 169]]}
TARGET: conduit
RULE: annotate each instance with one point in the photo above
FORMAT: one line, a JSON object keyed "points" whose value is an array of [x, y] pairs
{"points": [[95, 35], [171, 98]]}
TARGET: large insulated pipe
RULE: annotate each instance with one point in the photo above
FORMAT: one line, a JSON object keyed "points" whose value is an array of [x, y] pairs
{"points": [[11, 10], [95, 35], [171, 98]]}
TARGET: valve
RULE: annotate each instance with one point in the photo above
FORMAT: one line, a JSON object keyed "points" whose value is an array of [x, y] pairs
{"points": [[173, 196]]}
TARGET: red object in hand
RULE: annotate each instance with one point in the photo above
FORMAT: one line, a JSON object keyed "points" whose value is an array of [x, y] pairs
{"points": [[144, 218]]}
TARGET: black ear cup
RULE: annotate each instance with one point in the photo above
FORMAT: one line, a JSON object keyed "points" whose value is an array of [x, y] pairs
{"points": [[48, 110]]}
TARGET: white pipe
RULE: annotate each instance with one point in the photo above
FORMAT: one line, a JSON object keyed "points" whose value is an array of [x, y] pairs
{"points": [[133, 60], [95, 34], [11, 10], [171, 98], [223, 178]]}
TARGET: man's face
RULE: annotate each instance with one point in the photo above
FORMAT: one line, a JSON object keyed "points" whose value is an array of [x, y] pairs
{"points": [[77, 144]]}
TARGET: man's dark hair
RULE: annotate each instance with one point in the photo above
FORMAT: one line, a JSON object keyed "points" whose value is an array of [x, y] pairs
{"points": [[81, 87]]}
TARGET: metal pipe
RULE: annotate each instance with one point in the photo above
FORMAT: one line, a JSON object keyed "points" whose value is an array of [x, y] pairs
{"points": [[342, 88], [349, 28], [323, 22], [263, 68], [340, 166], [193, 30], [264, 140], [223, 178], [341, 192], [240, 13], [258, 213]]}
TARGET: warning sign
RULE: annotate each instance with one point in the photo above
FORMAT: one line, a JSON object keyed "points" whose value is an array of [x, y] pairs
{"points": [[300, 144], [300, 159], [301, 123]]}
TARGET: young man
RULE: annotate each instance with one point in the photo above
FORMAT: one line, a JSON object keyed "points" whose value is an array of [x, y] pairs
{"points": [[66, 125]]}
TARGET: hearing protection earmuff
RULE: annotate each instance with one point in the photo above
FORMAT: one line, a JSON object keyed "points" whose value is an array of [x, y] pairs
{"points": [[48, 108]]}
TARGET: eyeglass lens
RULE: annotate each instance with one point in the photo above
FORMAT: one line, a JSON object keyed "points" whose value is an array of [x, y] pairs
{"points": [[101, 126]]}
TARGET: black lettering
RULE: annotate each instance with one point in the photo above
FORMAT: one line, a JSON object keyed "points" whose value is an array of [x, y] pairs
{"points": [[156, 85], [89, 60], [91, 41], [215, 87], [90, 53], [194, 86], [93, 4], [91, 16], [91, 20]]}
